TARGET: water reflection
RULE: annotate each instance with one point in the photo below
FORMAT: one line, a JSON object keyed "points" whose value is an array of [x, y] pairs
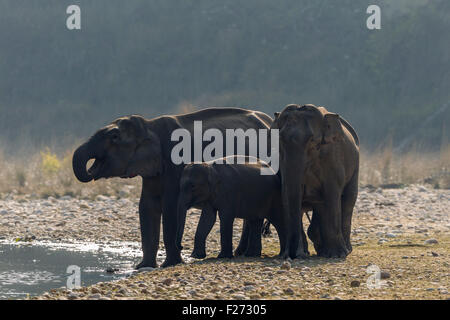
{"points": [[31, 269]]}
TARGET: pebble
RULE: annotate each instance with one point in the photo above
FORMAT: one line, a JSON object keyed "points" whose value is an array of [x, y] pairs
{"points": [[146, 269], [355, 284], [95, 290], [72, 296], [390, 235], [431, 241], [286, 265], [288, 291]]}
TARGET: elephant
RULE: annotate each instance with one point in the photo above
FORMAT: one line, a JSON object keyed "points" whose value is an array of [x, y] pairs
{"points": [[134, 146], [236, 190], [319, 166]]}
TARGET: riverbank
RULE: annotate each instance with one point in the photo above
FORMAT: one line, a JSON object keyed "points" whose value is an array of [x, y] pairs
{"points": [[405, 232]]}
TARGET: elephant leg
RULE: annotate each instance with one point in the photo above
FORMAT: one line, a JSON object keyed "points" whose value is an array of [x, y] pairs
{"points": [[303, 239], [254, 240], [170, 229], [226, 236], [314, 231], [205, 224], [282, 233], [150, 221], [330, 222], [349, 197], [243, 242], [297, 240]]}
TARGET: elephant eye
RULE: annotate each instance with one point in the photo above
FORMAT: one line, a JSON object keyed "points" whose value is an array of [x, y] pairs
{"points": [[115, 136]]}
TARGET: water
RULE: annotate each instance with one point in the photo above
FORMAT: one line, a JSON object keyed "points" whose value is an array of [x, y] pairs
{"points": [[28, 269]]}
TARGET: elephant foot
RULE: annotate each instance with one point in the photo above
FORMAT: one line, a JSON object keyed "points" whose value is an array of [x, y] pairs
{"points": [[253, 253], [228, 255], [145, 264], [349, 248], [301, 255], [198, 254], [283, 255], [171, 261], [238, 252], [333, 252]]}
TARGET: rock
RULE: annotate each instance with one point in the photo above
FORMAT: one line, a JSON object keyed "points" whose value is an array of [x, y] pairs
{"points": [[286, 265], [288, 291], [95, 296], [422, 189], [72, 296], [123, 291], [167, 281], [239, 296], [385, 275], [434, 254], [111, 269], [390, 235], [355, 284], [146, 269], [325, 296], [95, 290], [192, 293], [431, 241]]}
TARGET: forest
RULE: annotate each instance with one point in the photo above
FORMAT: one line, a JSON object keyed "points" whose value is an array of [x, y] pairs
{"points": [[57, 86]]}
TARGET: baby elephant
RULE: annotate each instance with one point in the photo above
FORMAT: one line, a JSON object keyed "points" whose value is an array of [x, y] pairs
{"points": [[235, 191]]}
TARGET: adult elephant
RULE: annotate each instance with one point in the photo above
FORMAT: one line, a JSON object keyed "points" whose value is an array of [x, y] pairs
{"points": [[319, 165], [133, 146]]}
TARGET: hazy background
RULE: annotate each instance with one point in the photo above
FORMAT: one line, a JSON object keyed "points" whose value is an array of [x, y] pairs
{"points": [[163, 56]]}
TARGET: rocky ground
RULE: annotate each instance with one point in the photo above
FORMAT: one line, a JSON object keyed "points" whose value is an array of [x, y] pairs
{"points": [[404, 233]]}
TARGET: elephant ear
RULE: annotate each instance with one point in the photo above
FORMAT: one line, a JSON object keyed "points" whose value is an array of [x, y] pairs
{"points": [[147, 158], [132, 128], [332, 128]]}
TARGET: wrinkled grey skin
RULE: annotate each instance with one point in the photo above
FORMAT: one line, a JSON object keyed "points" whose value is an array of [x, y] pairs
{"points": [[319, 165], [134, 146], [234, 191]]}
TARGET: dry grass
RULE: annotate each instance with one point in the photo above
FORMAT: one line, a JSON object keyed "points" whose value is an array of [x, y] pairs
{"points": [[47, 174], [384, 167]]}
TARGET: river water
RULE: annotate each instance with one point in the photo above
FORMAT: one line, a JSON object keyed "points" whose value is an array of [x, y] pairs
{"points": [[28, 269]]}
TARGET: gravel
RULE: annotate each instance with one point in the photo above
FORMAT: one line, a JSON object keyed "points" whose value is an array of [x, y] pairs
{"points": [[393, 229]]}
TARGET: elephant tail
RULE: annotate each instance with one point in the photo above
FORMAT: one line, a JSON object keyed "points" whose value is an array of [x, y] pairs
{"points": [[265, 231], [350, 129]]}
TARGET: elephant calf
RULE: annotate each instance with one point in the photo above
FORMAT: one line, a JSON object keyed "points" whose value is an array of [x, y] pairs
{"points": [[235, 191]]}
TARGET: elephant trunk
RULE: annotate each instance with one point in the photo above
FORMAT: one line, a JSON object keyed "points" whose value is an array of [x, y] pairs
{"points": [[80, 158], [292, 196]]}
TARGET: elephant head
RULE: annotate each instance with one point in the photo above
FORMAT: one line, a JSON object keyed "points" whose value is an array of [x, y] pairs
{"points": [[125, 148], [301, 133], [198, 185]]}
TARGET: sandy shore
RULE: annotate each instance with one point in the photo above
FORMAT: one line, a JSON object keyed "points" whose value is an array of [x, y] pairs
{"points": [[404, 232]]}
